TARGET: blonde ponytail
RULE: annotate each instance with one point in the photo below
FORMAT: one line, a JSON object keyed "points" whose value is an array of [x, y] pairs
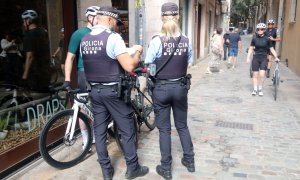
{"points": [[170, 27]]}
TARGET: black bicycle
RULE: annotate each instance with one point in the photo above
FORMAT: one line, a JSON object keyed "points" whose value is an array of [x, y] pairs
{"points": [[140, 101]]}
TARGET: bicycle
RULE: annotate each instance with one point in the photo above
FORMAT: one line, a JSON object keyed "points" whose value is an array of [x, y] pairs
{"points": [[13, 103], [141, 103], [275, 79], [67, 151]]}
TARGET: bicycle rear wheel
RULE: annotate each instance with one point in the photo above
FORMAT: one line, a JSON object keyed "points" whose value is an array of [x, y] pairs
{"points": [[276, 83], [148, 112], [118, 135], [55, 146]]}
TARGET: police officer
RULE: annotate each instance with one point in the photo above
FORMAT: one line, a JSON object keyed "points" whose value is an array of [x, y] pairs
{"points": [[105, 59], [273, 34], [169, 91]]}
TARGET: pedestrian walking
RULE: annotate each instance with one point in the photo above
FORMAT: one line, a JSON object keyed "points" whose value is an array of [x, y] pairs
{"points": [[235, 46], [217, 51], [106, 59], [171, 85], [260, 45], [226, 44]]}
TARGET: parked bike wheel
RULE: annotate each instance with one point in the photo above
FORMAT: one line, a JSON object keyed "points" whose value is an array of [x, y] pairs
{"points": [[276, 83], [148, 112], [17, 116], [118, 135], [55, 146]]}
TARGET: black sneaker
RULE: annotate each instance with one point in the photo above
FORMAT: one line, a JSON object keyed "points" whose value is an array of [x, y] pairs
{"points": [[189, 165], [109, 175], [166, 174], [140, 171]]}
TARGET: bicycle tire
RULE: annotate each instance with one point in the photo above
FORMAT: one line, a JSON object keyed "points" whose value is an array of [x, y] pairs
{"points": [[276, 83], [118, 136], [61, 153], [148, 112]]}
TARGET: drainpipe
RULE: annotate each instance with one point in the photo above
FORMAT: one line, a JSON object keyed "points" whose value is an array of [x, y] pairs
{"points": [[280, 25]]}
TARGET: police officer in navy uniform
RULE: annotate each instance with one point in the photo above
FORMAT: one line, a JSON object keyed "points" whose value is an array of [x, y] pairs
{"points": [[170, 91], [105, 59], [274, 37]]}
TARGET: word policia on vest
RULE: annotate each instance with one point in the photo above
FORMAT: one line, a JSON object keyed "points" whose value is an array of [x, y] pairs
{"points": [[182, 47], [91, 47]]}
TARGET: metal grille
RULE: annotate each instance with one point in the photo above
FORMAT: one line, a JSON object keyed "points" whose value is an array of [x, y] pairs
{"points": [[234, 125]]}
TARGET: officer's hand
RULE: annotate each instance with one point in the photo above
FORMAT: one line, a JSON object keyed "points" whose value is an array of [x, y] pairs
{"points": [[190, 65], [66, 85], [139, 48], [277, 59]]}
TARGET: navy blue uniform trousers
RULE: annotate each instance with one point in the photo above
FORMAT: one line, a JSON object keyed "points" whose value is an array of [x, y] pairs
{"points": [[165, 97], [105, 103]]}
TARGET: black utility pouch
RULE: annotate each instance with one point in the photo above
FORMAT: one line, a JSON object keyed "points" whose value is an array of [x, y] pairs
{"points": [[124, 90], [150, 85], [186, 81]]}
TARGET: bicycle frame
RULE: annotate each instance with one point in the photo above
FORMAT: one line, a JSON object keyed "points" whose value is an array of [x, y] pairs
{"points": [[76, 107]]}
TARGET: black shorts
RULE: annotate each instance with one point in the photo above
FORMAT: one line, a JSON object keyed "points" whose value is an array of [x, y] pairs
{"points": [[259, 63]]}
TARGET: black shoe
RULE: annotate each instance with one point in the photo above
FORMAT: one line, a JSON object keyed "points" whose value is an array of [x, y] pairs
{"points": [[109, 175], [164, 173], [140, 171], [189, 165]]}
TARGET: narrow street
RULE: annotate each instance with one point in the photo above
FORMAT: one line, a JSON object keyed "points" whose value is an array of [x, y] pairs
{"points": [[235, 135]]}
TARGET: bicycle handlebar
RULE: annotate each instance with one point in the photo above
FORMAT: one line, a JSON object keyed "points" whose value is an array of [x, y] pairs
{"points": [[138, 71]]}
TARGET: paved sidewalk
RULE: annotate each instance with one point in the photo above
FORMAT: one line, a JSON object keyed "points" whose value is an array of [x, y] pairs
{"points": [[235, 135]]}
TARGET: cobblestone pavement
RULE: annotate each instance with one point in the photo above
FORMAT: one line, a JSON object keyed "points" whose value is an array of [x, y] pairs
{"points": [[235, 135]]}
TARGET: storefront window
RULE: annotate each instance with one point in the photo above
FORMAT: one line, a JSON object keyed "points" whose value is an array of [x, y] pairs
{"points": [[26, 105], [124, 29]]}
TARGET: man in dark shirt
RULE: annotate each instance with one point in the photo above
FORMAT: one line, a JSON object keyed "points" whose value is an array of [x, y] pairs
{"points": [[226, 44], [36, 46], [273, 34], [234, 46]]}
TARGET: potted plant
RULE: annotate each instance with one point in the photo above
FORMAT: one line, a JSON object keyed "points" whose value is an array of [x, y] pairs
{"points": [[3, 129]]}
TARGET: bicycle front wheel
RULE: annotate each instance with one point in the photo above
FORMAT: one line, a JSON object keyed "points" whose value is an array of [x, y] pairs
{"points": [[57, 147], [276, 83]]}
